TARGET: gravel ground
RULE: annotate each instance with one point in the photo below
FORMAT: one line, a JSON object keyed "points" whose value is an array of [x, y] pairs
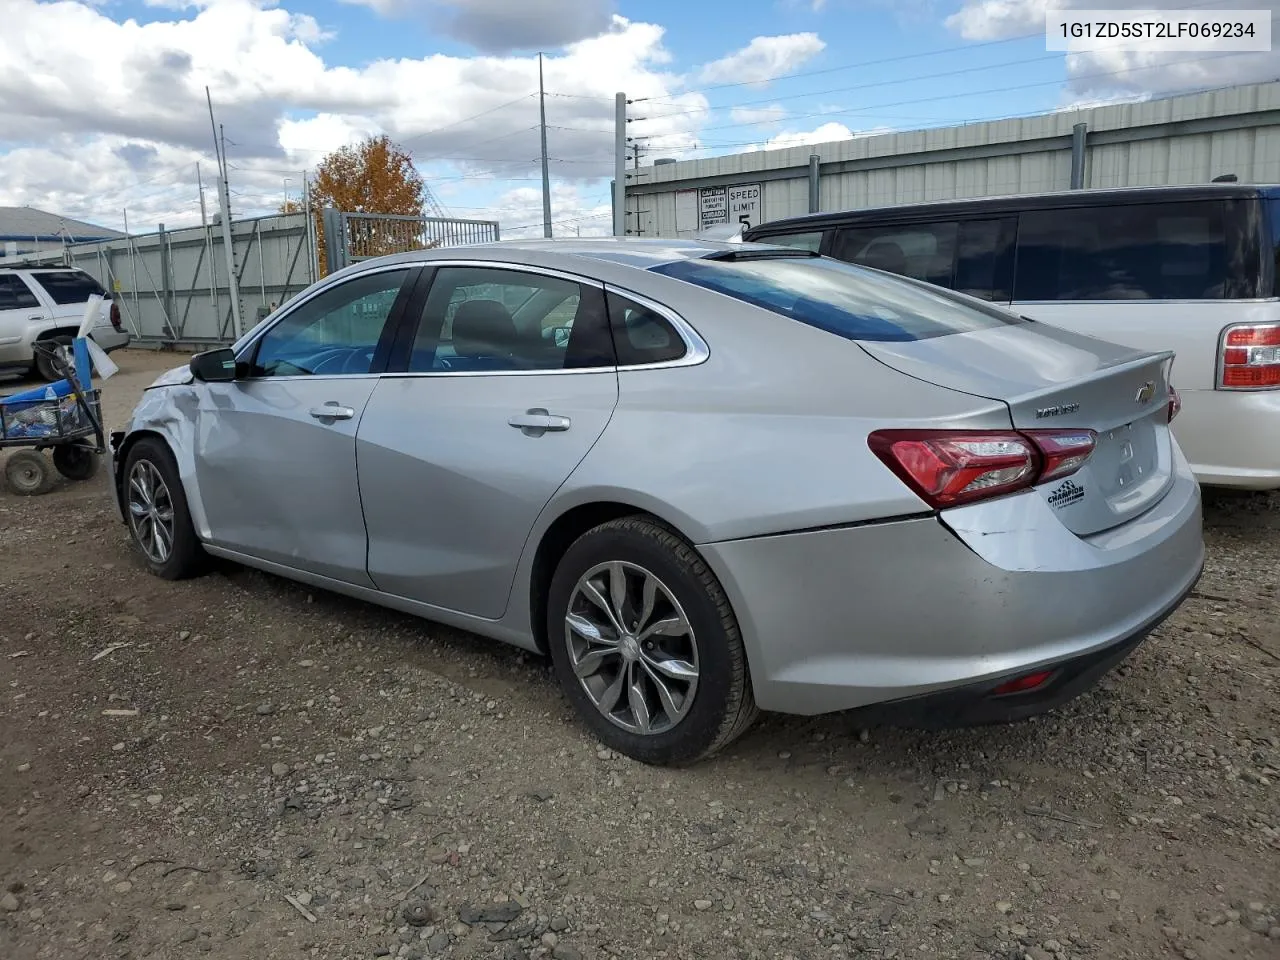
{"points": [[238, 767]]}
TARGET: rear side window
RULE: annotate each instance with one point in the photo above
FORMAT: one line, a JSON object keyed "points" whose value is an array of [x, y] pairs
{"points": [[14, 294], [69, 286], [984, 259], [923, 251], [1159, 251], [801, 241], [642, 335], [839, 298]]}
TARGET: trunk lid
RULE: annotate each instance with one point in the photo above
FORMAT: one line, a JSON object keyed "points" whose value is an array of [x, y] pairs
{"points": [[1051, 378]]}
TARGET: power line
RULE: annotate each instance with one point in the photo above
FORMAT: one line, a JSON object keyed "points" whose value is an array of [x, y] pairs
{"points": [[897, 59], [967, 93]]}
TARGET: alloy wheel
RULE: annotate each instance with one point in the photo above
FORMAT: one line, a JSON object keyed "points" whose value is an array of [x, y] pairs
{"points": [[632, 647], [150, 511]]}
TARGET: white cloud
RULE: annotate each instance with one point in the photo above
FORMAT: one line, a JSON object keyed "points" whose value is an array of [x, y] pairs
{"points": [[830, 132], [827, 133], [1108, 75], [764, 58], [770, 114], [574, 212], [997, 19], [86, 134]]}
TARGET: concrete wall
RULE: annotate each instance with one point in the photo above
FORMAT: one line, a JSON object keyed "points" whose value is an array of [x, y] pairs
{"points": [[1186, 139]]}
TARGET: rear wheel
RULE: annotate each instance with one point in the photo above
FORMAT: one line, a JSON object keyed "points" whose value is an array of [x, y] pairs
{"points": [[75, 462], [646, 646], [156, 506], [28, 473], [45, 364]]}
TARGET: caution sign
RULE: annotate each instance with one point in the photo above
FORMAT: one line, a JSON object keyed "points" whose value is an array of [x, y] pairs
{"points": [[713, 206]]}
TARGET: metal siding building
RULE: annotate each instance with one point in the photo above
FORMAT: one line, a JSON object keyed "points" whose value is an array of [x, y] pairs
{"points": [[1185, 139]]}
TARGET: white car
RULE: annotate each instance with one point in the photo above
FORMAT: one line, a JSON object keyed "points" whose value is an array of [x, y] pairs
{"points": [[47, 303], [1190, 269]]}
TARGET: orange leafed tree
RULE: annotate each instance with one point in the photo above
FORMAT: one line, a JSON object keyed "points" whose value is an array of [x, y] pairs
{"points": [[374, 176]]}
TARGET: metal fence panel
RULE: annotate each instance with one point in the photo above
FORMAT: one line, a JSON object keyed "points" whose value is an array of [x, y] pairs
{"points": [[369, 235], [171, 285]]}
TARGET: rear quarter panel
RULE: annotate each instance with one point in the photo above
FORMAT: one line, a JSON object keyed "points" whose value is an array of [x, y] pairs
{"points": [[767, 435]]}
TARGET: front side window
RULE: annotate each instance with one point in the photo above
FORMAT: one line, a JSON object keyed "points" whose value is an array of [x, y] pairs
{"points": [[1153, 251], [924, 251], [332, 334], [14, 294], [485, 319], [839, 298], [68, 286]]}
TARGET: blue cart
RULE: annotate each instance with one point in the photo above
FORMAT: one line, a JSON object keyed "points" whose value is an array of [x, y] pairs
{"points": [[64, 417]]}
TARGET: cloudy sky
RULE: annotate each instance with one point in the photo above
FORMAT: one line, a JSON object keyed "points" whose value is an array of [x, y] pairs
{"points": [[102, 102]]}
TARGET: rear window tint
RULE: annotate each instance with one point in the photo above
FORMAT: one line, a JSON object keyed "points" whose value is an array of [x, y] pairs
{"points": [[1156, 251], [69, 286], [839, 298]]}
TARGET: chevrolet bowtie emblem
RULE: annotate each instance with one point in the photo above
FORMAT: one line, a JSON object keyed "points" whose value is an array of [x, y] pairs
{"points": [[1146, 392]]}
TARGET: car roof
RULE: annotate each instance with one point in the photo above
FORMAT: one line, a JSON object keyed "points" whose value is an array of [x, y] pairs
{"points": [[1009, 203], [639, 253]]}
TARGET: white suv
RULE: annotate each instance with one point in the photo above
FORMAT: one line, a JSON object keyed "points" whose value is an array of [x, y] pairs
{"points": [[48, 304]]}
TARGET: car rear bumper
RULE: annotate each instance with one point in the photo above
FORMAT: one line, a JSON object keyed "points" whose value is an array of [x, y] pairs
{"points": [[847, 617], [110, 339], [1228, 436]]}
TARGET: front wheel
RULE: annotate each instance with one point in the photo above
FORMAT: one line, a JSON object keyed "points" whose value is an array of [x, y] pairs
{"points": [[646, 646], [156, 508]]}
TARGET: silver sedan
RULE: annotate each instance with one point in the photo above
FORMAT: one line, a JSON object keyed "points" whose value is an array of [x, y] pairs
{"points": [[705, 478]]}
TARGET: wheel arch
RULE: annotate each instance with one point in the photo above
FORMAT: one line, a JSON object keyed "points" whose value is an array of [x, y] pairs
{"points": [[52, 332], [556, 539]]}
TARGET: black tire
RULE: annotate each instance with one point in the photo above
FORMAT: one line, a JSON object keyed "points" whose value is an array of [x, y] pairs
{"points": [[186, 557], [75, 462], [723, 706], [28, 473], [44, 362]]}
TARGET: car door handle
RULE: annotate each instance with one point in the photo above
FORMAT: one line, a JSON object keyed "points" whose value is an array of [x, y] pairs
{"points": [[538, 421], [332, 410]]}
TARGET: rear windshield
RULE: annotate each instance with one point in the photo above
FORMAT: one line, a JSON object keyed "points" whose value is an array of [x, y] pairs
{"points": [[69, 286], [840, 298]]}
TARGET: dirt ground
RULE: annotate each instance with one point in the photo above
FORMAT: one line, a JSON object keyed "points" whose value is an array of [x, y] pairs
{"points": [[239, 767]]}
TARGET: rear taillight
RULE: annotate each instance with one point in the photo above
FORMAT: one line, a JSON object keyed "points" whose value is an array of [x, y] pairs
{"points": [[1175, 403], [1250, 357], [1063, 451], [950, 467], [115, 316]]}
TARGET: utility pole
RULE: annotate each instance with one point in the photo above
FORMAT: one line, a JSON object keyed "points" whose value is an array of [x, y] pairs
{"points": [[620, 165], [546, 175], [313, 260], [204, 213], [224, 202]]}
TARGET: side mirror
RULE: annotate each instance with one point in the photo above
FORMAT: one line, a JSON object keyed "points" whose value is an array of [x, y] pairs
{"points": [[214, 366]]}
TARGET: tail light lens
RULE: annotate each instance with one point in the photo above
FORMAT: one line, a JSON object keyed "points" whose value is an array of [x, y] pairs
{"points": [[1250, 357], [949, 467], [115, 316], [1063, 451], [1175, 403]]}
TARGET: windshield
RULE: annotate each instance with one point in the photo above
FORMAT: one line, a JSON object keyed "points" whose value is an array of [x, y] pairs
{"points": [[840, 298]]}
